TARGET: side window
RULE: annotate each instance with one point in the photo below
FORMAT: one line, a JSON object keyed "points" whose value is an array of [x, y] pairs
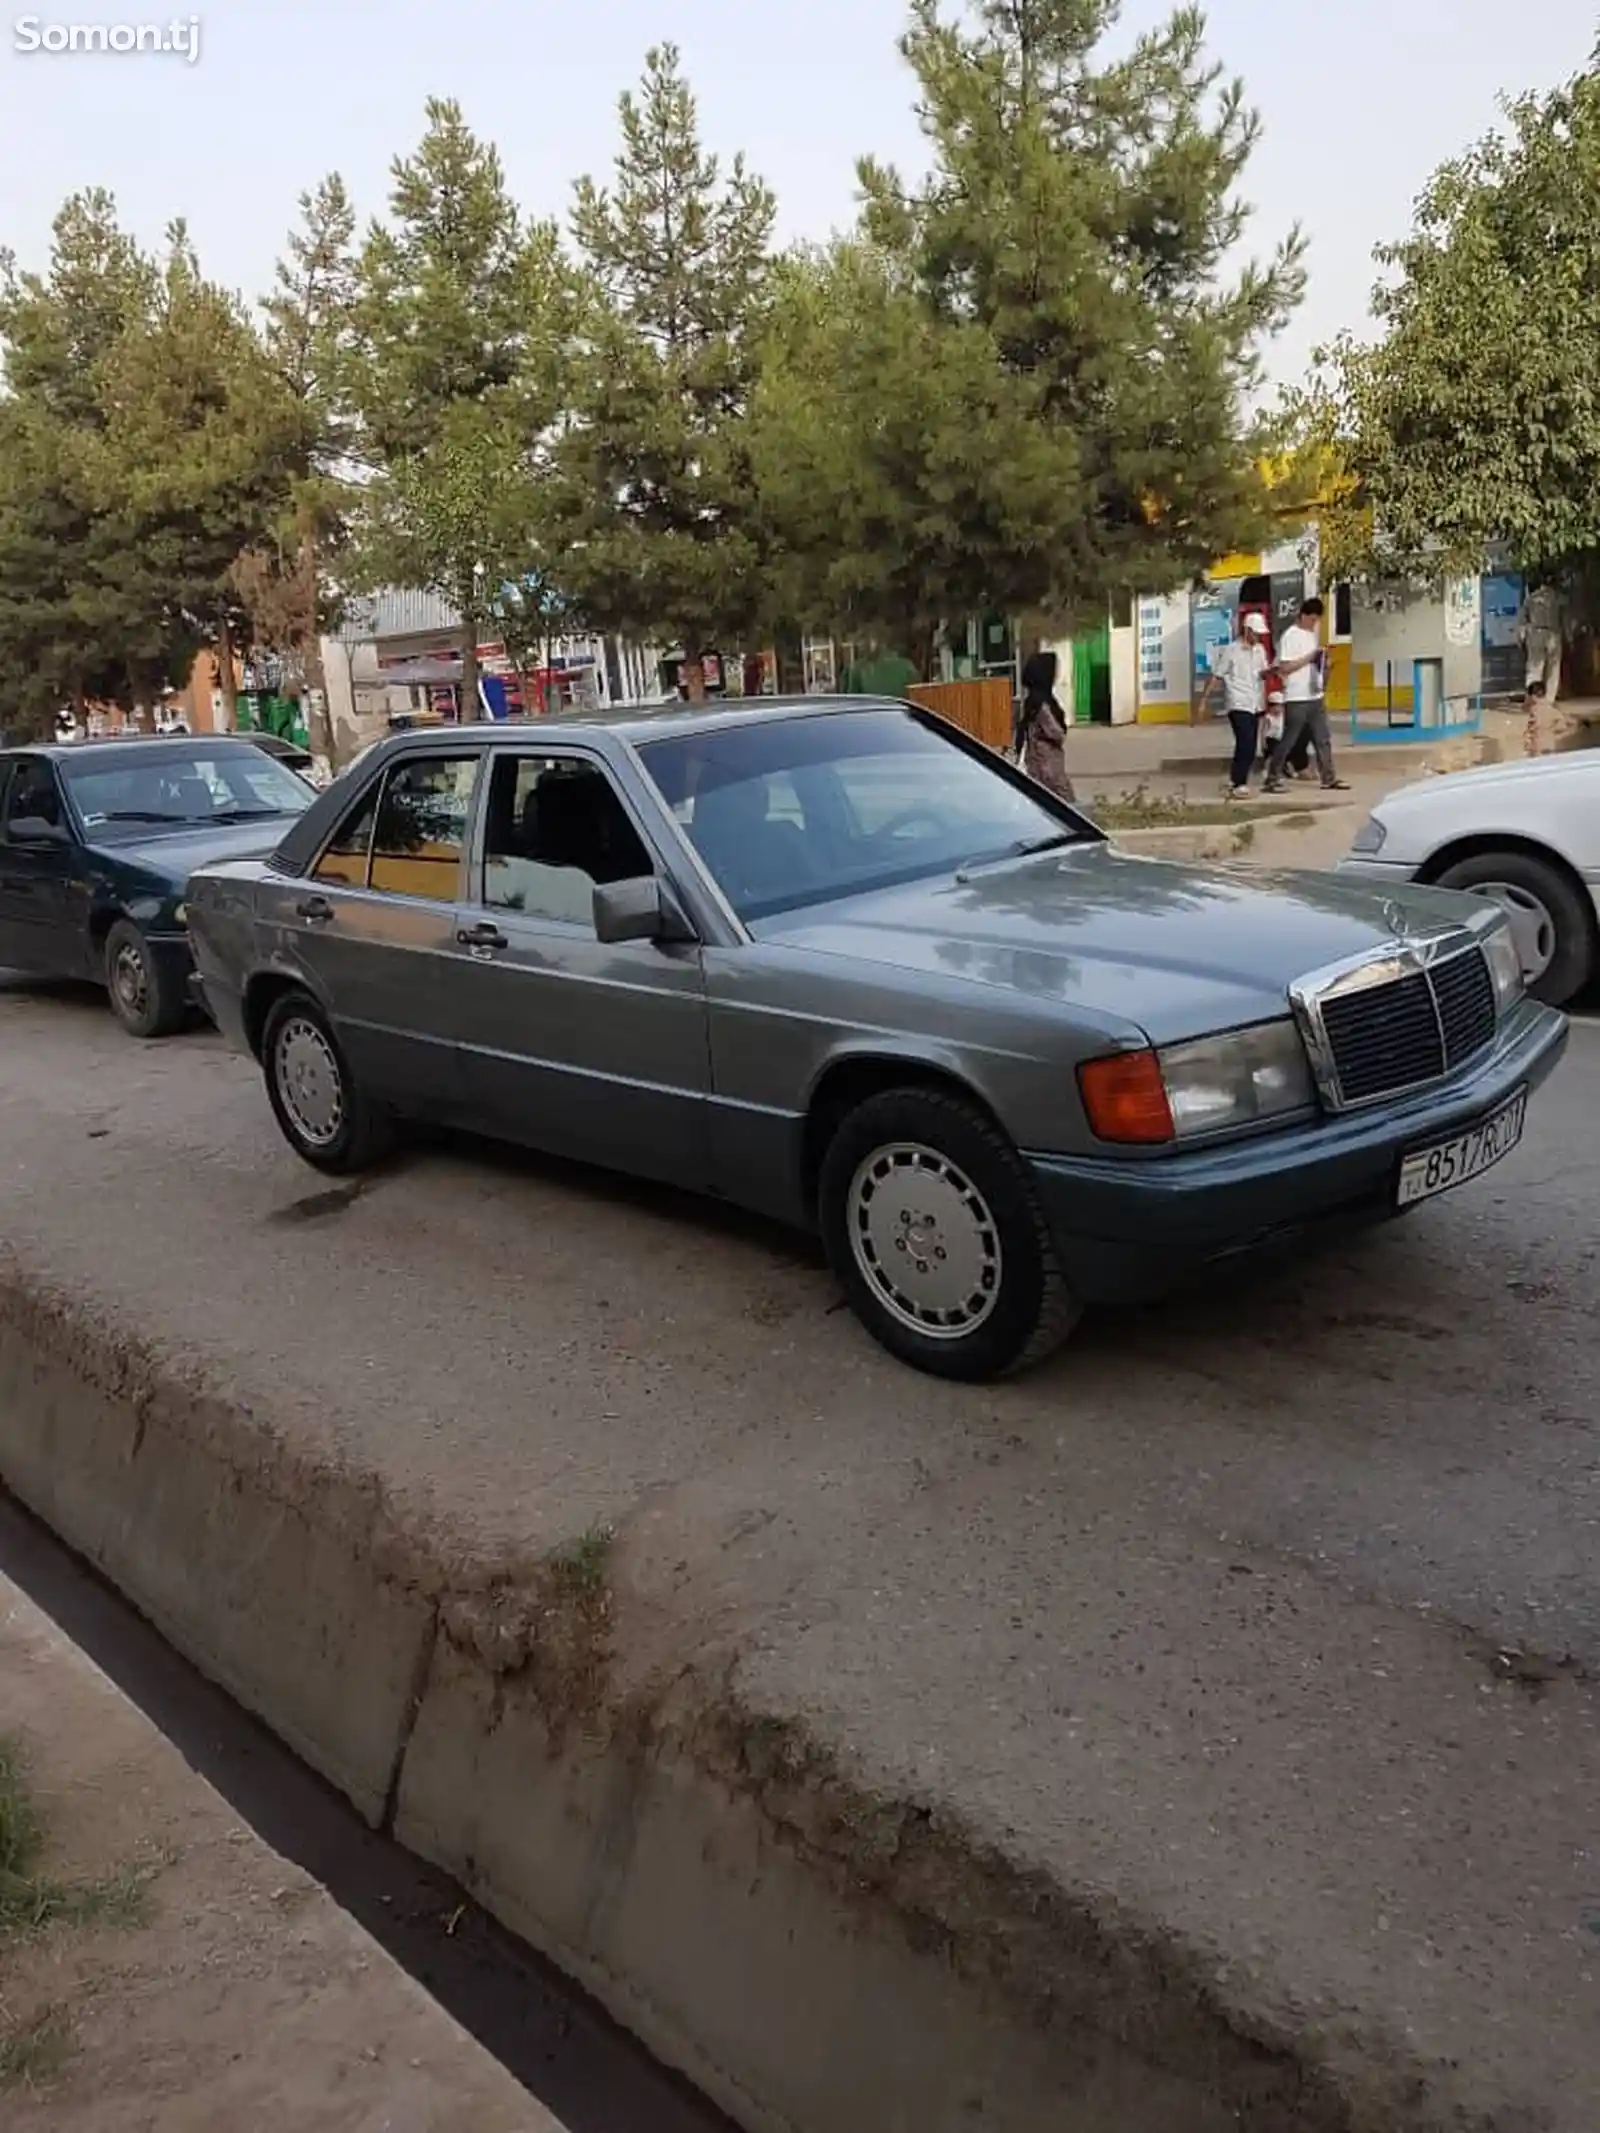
{"points": [[555, 828], [344, 858], [33, 792], [422, 827]]}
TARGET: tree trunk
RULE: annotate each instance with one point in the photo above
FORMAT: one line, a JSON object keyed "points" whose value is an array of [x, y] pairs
{"points": [[319, 718], [223, 721], [470, 706]]}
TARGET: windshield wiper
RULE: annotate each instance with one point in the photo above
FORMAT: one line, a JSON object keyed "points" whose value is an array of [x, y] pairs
{"points": [[246, 814], [1024, 848], [146, 814]]}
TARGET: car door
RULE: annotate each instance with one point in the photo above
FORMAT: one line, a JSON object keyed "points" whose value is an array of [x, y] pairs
{"points": [[373, 927], [590, 1049], [43, 899]]}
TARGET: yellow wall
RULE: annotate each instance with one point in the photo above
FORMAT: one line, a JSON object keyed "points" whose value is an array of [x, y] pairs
{"points": [[1371, 693]]}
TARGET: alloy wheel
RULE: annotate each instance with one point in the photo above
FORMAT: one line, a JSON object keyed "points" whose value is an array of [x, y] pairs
{"points": [[925, 1240]]}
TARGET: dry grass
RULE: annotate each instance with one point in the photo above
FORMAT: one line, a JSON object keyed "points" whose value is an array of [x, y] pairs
{"points": [[31, 1900]]}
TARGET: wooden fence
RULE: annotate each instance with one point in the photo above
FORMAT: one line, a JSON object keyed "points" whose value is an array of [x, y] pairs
{"points": [[981, 708]]}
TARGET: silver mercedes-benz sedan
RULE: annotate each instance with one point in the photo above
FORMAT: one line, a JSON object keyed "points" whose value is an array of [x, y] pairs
{"points": [[839, 963]]}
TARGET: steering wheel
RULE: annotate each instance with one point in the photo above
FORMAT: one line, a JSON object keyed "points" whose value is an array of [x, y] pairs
{"points": [[908, 815]]}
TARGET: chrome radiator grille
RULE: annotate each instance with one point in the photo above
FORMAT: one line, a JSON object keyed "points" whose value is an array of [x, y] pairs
{"points": [[1422, 1019]]}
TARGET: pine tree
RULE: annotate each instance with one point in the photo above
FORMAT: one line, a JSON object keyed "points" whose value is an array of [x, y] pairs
{"points": [[195, 462], [461, 318], [660, 514], [139, 454], [904, 471], [283, 583], [1080, 213]]}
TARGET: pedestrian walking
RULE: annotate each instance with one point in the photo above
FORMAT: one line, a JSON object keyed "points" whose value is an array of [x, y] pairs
{"points": [[1239, 676], [1305, 715], [1044, 726]]}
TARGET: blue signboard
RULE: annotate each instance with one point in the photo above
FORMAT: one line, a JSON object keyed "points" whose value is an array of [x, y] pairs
{"points": [[1212, 626]]}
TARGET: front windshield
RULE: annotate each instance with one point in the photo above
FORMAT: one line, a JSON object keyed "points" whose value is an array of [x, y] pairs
{"points": [[791, 812], [183, 788]]}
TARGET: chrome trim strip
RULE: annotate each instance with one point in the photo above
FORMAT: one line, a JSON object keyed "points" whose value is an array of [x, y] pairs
{"points": [[1407, 956]]}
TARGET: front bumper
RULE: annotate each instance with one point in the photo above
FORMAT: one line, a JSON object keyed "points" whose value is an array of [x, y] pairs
{"points": [[1127, 1228], [1393, 873]]}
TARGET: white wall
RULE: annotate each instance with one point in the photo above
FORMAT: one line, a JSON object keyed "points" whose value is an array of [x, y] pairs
{"points": [[1125, 674], [1399, 626]]}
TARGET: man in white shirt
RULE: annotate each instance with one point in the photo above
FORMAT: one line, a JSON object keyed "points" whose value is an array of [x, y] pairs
{"points": [[1239, 673], [1305, 715]]}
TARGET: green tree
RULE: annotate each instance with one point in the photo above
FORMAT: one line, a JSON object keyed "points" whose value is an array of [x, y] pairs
{"points": [[284, 583], [902, 467], [140, 453], [1086, 352], [461, 319], [195, 460], [1473, 420], [660, 512], [65, 620]]}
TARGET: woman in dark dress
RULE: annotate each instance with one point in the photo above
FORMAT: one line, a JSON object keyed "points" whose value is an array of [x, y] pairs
{"points": [[1044, 726]]}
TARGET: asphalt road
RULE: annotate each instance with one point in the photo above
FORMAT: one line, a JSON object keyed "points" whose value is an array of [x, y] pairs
{"points": [[1270, 1619]]}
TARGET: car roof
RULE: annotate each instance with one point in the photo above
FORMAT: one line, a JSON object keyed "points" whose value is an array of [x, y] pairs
{"points": [[629, 723], [156, 744], [651, 722]]}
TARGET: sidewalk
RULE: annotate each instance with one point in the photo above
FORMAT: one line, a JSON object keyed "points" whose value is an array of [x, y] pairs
{"points": [[1132, 755], [205, 1983]]}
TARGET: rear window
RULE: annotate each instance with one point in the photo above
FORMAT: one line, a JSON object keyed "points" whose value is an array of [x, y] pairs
{"points": [[182, 789]]}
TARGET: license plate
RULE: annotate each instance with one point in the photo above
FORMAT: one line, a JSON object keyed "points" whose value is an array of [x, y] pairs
{"points": [[1469, 1155]]}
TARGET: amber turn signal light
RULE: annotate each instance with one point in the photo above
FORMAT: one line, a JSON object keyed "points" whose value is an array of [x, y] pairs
{"points": [[1125, 1098]]}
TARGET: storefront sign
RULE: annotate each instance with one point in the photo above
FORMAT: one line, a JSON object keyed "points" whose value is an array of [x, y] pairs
{"points": [[1212, 626], [1164, 649]]}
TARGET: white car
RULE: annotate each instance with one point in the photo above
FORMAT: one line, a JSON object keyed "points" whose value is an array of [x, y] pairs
{"points": [[1527, 834]]}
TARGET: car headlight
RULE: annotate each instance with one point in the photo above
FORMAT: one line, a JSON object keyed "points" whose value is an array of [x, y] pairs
{"points": [[1370, 837], [1240, 1079], [1504, 958]]}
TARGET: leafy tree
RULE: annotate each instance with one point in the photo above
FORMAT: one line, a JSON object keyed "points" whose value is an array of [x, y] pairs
{"points": [[902, 467], [1474, 419], [457, 378], [1084, 354], [194, 461], [284, 583], [140, 454], [660, 512], [66, 628]]}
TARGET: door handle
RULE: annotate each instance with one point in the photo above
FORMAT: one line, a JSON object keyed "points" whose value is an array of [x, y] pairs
{"points": [[484, 935], [316, 909]]}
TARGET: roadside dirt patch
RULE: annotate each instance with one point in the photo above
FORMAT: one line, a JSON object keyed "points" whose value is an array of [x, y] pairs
{"points": [[162, 1971]]}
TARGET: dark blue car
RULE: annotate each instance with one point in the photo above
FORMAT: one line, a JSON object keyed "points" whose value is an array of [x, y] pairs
{"points": [[97, 843]]}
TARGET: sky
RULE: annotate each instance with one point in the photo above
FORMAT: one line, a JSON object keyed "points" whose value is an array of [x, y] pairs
{"points": [[1360, 100]]}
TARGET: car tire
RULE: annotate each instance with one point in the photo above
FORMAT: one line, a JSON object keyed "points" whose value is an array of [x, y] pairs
{"points": [[147, 997], [320, 1108], [1549, 903], [918, 1171]]}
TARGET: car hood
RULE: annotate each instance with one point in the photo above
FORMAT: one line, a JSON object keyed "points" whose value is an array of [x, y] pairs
{"points": [[1519, 777], [176, 854], [1176, 950]]}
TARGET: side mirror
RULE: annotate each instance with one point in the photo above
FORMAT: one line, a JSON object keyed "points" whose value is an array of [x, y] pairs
{"points": [[34, 829], [642, 910]]}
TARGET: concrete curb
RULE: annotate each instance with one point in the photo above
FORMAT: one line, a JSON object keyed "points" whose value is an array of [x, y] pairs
{"points": [[820, 1958], [271, 1968], [1217, 840]]}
